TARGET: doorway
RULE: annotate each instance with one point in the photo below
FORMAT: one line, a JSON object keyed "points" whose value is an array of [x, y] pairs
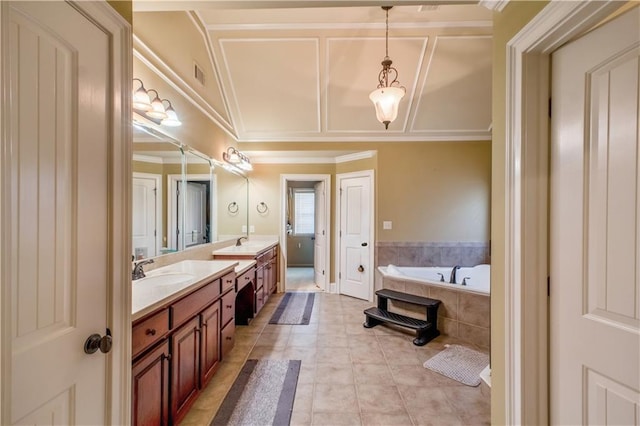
{"points": [[147, 215], [195, 213], [304, 232]]}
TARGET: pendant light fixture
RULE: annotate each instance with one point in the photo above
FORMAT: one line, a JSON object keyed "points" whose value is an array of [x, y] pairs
{"points": [[387, 96]]}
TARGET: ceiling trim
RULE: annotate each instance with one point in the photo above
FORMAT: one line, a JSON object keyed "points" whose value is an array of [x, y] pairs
{"points": [[154, 159], [355, 156], [197, 21], [426, 76], [209, 111], [242, 131], [347, 26], [495, 5], [468, 137]]}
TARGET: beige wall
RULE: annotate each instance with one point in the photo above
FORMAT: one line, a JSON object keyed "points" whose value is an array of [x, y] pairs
{"points": [[505, 25], [124, 8], [232, 188]]}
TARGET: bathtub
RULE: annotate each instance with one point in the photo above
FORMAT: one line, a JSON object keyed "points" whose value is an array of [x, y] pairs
{"points": [[477, 277]]}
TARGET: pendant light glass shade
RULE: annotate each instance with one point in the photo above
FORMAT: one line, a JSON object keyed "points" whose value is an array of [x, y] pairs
{"points": [[157, 109], [386, 101]]}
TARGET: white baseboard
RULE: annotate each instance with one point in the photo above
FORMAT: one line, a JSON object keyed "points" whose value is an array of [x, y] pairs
{"points": [[333, 288]]}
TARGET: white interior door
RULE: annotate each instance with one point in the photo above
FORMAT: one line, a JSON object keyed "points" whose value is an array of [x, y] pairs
{"points": [[195, 214], [319, 236], [595, 228], [356, 211], [145, 216], [58, 199]]}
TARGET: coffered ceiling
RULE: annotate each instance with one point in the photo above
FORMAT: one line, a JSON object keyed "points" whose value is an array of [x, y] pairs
{"points": [[305, 74]]}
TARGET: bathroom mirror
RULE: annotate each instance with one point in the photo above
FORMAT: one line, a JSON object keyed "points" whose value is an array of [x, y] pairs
{"points": [[165, 221]]}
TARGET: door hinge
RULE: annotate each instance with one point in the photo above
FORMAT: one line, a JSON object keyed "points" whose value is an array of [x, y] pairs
{"points": [[323, 272], [339, 274], [155, 233], [548, 286], [340, 235], [549, 107], [323, 232]]}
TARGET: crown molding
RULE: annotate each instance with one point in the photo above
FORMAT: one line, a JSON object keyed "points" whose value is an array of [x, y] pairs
{"points": [[355, 156], [495, 5], [347, 26]]}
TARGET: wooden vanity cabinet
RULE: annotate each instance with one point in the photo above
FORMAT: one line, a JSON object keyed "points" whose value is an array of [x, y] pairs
{"points": [[150, 383], [178, 349]]}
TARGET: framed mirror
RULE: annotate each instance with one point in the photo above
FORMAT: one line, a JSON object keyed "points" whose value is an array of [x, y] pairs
{"points": [[181, 198]]}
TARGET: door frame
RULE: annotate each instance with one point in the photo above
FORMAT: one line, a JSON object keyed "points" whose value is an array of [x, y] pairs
{"points": [[526, 249], [172, 219], [284, 180], [372, 225], [118, 371], [158, 180]]}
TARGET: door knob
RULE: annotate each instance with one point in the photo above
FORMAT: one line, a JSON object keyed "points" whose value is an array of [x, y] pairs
{"points": [[95, 342], [364, 244], [360, 268]]}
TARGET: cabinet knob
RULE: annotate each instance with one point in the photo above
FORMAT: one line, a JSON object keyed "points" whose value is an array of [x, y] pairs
{"points": [[229, 281], [229, 306], [246, 278], [228, 338], [150, 332], [167, 357]]}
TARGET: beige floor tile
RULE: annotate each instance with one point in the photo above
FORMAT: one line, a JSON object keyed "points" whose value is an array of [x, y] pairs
{"points": [[267, 352], [306, 355], [333, 355], [307, 374], [421, 400], [311, 328], [356, 328], [414, 375], [336, 419], [304, 397], [274, 340], [401, 356], [333, 340], [385, 419], [373, 374], [331, 328], [368, 341], [300, 418], [367, 355], [303, 340], [379, 399], [334, 373], [335, 398], [197, 417], [468, 401], [280, 329], [442, 419]]}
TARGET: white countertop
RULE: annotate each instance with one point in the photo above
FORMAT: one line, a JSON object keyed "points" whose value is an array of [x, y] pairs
{"points": [[244, 265], [248, 248], [163, 285]]}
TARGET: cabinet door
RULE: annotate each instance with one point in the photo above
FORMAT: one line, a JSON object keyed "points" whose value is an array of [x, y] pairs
{"points": [[185, 362], [150, 388], [210, 345]]}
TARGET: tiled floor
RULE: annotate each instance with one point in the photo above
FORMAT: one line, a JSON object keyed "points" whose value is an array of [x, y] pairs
{"points": [[350, 375], [301, 279]]}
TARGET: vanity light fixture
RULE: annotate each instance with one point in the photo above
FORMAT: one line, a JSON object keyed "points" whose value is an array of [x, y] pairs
{"points": [[172, 117], [141, 100], [154, 110], [389, 92], [237, 159]]}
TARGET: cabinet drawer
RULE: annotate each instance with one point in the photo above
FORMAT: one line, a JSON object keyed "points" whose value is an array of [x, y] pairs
{"points": [[261, 259], [259, 299], [149, 331], [228, 337], [246, 278], [189, 306], [228, 281], [228, 306]]}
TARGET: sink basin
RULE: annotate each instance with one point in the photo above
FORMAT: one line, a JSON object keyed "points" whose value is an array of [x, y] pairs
{"points": [[166, 279]]}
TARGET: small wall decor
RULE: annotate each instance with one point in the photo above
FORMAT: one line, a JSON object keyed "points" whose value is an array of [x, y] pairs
{"points": [[233, 207], [262, 207]]}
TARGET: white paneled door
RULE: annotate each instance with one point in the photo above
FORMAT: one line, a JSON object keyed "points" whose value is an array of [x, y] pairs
{"points": [[356, 218], [65, 188], [595, 228], [145, 217]]}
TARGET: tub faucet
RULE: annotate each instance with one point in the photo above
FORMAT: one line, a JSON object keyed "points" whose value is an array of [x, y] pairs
{"points": [[138, 272], [452, 279], [441, 277], [238, 241]]}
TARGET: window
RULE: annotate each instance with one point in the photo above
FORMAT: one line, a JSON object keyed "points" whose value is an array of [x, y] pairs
{"points": [[304, 211]]}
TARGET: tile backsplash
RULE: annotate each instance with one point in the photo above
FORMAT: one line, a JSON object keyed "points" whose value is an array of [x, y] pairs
{"points": [[431, 253]]}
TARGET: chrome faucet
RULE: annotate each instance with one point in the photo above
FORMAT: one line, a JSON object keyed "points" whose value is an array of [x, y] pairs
{"points": [[452, 279], [238, 243], [138, 272]]}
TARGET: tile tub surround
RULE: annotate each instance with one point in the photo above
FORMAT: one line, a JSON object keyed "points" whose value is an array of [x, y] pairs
{"points": [[462, 315], [431, 253]]}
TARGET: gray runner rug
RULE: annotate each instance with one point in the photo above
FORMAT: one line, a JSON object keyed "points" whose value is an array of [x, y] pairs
{"points": [[459, 363], [294, 308], [262, 394]]}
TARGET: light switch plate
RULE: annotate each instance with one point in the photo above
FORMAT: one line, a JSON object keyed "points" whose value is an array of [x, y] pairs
{"points": [[252, 229], [244, 229], [386, 224]]}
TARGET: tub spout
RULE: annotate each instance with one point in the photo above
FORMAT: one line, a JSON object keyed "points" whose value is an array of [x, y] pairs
{"points": [[452, 279]]}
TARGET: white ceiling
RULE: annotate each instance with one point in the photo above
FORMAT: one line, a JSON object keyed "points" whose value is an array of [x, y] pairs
{"points": [[305, 74]]}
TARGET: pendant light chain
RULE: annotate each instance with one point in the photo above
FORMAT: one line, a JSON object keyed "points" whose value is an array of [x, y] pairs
{"points": [[386, 37]]}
